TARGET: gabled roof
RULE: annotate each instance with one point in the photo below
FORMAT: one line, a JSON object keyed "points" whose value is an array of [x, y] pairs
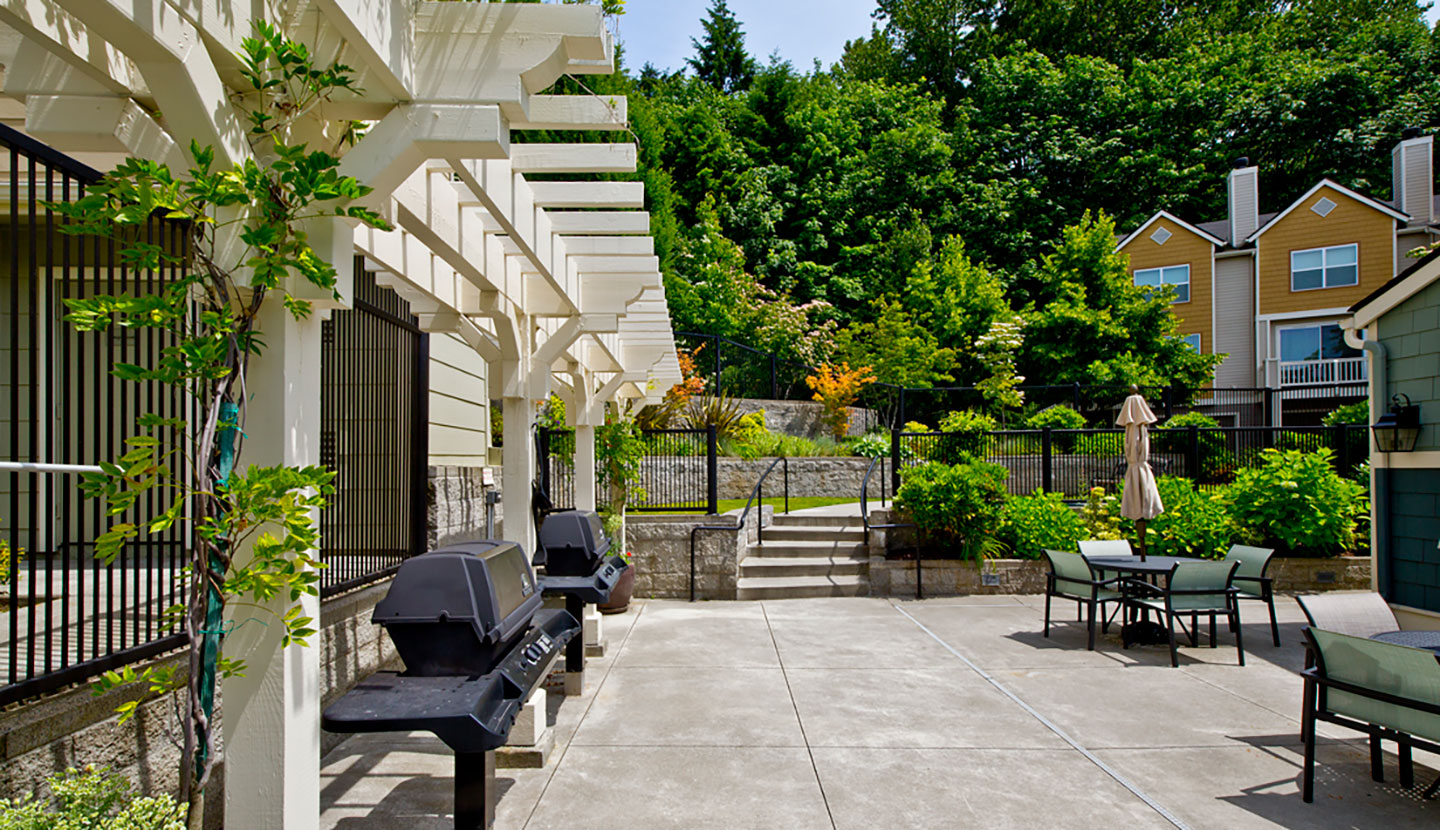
{"points": [[1339, 188], [1211, 238], [1398, 290]]}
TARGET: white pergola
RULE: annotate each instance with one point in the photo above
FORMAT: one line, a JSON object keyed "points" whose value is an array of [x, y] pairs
{"points": [[554, 283]]}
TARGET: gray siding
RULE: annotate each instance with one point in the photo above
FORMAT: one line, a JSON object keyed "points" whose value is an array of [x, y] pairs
{"points": [[1235, 321], [459, 404], [1411, 334], [1413, 561]]}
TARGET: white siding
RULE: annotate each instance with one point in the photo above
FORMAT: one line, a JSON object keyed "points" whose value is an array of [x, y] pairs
{"points": [[1235, 321], [459, 404]]}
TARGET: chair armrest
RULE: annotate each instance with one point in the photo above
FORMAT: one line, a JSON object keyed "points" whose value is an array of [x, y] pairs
{"points": [[1260, 579], [1313, 674], [1143, 587]]}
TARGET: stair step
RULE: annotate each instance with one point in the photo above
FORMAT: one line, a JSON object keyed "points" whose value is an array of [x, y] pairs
{"points": [[814, 533], [760, 566], [802, 520], [786, 548], [795, 587]]}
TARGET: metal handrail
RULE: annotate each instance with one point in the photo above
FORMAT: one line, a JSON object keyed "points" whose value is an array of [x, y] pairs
{"points": [[865, 515], [42, 467], [744, 514]]}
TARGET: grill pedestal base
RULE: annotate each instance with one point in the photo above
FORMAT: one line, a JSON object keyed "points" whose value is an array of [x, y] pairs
{"points": [[474, 790], [575, 651]]}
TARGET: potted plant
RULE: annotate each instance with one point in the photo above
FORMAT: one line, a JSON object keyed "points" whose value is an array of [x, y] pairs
{"points": [[624, 589]]}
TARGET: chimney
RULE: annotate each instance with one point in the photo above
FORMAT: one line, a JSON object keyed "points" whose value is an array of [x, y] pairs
{"points": [[1243, 187], [1414, 176]]}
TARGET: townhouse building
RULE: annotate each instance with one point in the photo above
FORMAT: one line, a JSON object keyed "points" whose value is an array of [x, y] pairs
{"points": [[1269, 290]]}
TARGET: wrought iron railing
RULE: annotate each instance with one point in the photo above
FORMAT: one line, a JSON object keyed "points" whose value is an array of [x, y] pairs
{"points": [[64, 615], [679, 472]]}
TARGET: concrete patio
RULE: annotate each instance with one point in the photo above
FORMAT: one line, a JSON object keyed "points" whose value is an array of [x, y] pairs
{"points": [[866, 713]]}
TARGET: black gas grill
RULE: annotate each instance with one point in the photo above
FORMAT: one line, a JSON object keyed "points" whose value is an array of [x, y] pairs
{"points": [[475, 642], [571, 543], [593, 587]]}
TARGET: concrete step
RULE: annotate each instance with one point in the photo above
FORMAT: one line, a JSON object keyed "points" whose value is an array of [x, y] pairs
{"points": [[796, 587], [761, 566], [814, 533], [803, 520], [785, 549]]}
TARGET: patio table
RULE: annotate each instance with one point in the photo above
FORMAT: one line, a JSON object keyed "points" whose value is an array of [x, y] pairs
{"points": [[1141, 631], [1414, 639]]}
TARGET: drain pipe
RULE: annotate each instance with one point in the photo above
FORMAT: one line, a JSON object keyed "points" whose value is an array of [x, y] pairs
{"points": [[1380, 480]]}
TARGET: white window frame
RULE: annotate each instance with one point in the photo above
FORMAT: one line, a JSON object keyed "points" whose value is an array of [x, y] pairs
{"points": [[1319, 327], [1135, 277], [1191, 340], [1325, 266]]}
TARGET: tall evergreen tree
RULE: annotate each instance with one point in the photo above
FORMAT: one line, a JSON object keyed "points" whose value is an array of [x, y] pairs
{"points": [[720, 59]]}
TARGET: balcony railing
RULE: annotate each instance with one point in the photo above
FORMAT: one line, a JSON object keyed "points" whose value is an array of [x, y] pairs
{"points": [[1318, 372]]}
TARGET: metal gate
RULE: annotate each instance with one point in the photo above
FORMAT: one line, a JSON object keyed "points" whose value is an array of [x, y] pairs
{"points": [[374, 435]]}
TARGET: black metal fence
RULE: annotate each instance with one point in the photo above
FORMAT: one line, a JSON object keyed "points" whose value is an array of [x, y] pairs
{"points": [[742, 371], [64, 616], [678, 474], [1072, 462], [374, 435]]}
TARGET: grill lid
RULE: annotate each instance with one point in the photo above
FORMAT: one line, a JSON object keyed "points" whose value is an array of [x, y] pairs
{"points": [[456, 611], [573, 542]]}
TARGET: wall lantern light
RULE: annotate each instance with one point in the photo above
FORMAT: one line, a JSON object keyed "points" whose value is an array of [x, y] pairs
{"points": [[1398, 429]]}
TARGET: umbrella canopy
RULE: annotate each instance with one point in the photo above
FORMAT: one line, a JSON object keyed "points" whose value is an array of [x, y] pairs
{"points": [[1141, 498]]}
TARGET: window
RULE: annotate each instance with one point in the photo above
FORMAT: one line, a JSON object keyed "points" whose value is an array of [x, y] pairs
{"points": [[1325, 342], [1192, 340], [1324, 268], [1174, 275]]}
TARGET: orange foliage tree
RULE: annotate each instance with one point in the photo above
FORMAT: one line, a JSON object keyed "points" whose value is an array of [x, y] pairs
{"points": [[837, 388]]}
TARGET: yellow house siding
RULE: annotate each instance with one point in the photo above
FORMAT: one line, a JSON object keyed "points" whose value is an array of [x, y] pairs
{"points": [[1183, 247], [1350, 222]]}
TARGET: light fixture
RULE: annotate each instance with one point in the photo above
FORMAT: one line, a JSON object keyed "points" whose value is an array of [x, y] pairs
{"points": [[1398, 429]]}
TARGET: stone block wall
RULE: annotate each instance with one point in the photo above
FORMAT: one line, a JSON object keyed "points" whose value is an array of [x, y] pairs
{"points": [[661, 545], [456, 505], [802, 418], [736, 477], [351, 647]]}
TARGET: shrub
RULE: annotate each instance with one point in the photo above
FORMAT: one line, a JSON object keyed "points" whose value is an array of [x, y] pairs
{"points": [[751, 427], [837, 388], [1101, 515], [966, 433], [1058, 416], [1100, 444], [915, 426], [1296, 502], [1015, 444], [1193, 524], [1030, 524], [719, 411], [88, 799], [1216, 460], [957, 505], [772, 444], [1355, 413], [876, 445]]}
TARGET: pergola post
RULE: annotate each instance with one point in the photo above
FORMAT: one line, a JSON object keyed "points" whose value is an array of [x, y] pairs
{"points": [[272, 713]]}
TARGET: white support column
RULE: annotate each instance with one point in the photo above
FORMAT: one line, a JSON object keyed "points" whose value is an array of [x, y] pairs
{"points": [[272, 714], [518, 454], [582, 399]]}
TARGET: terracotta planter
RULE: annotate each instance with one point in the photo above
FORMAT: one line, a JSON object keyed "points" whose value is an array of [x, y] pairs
{"points": [[620, 597]]}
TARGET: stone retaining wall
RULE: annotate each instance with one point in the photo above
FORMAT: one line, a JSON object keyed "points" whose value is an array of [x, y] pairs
{"points": [[951, 577], [351, 647], [661, 545], [802, 418], [736, 477], [455, 501]]}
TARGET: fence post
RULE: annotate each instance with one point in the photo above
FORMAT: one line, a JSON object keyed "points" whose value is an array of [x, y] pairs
{"points": [[1269, 407], [542, 460], [774, 377], [1047, 471], [717, 365], [1192, 455], [1342, 449], [1076, 395], [419, 504], [894, 461], [900, 419], [1169, 401], [712, 472]]}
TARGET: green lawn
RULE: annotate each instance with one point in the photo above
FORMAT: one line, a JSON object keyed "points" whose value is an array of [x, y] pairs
{"points": [[778, 502]]}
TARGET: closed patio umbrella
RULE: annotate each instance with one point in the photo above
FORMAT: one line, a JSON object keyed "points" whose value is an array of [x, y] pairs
{"points": [[1140, 498]]}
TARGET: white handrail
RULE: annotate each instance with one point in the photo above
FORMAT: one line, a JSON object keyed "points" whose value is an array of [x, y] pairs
{"points": [[41, 467]]}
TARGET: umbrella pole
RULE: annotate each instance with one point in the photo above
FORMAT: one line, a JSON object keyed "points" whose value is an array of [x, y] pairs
{"points": [[1140, 530]]}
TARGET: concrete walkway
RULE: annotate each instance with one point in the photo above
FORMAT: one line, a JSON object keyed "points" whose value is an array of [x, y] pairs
{"points": [[867, 713]]}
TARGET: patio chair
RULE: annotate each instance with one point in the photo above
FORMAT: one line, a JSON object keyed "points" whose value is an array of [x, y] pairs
{"points": [[1105, 547], [1194, 589], [1071, 578], [1383, 689], [1359, 614], [1250, 578]]}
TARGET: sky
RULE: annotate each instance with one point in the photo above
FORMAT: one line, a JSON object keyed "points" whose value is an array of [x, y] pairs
{"points": [[659, 31]]}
